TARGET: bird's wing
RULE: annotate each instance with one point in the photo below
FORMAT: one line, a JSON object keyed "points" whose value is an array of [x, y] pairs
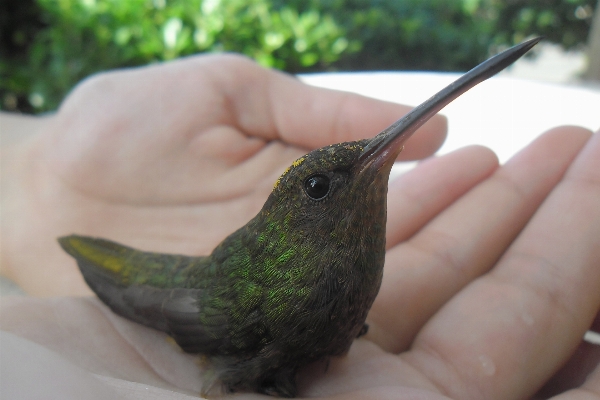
{"points": [[141, 287]]}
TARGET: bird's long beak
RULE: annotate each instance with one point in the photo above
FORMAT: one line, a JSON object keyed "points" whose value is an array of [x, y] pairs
{"points": [[388, 144]]}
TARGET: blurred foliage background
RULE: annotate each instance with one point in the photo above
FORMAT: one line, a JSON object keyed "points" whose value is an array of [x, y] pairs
{"points": [[47, 46]]}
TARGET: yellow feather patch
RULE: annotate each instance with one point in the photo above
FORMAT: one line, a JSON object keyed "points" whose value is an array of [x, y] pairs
{"points": [[108, 261], [294, 165]]}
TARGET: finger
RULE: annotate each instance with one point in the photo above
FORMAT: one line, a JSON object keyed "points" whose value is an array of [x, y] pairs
{"points": [[273, 105], [410, 200], [411, 204], [466, 239], [507, 333]]}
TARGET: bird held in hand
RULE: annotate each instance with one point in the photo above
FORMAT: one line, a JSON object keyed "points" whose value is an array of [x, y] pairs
{"points": [[292, 286]]}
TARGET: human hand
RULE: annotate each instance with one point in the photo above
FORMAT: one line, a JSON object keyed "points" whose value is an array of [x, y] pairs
{"points": [[169, 158], [490, 282]]}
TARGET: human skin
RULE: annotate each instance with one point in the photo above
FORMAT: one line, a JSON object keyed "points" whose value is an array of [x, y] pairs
{"points": [[491, 275]]}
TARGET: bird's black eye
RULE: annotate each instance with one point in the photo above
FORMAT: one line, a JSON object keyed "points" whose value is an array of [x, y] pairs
{"points": [[317, 186]]}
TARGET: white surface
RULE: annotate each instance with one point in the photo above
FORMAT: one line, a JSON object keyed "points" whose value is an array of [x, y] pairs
{"points": [[503, 113], [592, 337], [550, 63]]}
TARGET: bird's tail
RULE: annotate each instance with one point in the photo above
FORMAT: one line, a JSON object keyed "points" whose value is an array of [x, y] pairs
{"points": [[132, 283]]}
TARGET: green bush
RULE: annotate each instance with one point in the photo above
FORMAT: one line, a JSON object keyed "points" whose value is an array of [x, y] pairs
{"points": [[409, 34], [47, 46], [566, 22], [81, 37], [447, 35]]}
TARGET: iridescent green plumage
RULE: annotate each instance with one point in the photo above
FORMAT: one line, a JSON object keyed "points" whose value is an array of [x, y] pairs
{"points": [[294, 284]]}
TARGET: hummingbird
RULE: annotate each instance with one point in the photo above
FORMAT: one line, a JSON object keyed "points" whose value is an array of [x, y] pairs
{"points": [[292, 286]]}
